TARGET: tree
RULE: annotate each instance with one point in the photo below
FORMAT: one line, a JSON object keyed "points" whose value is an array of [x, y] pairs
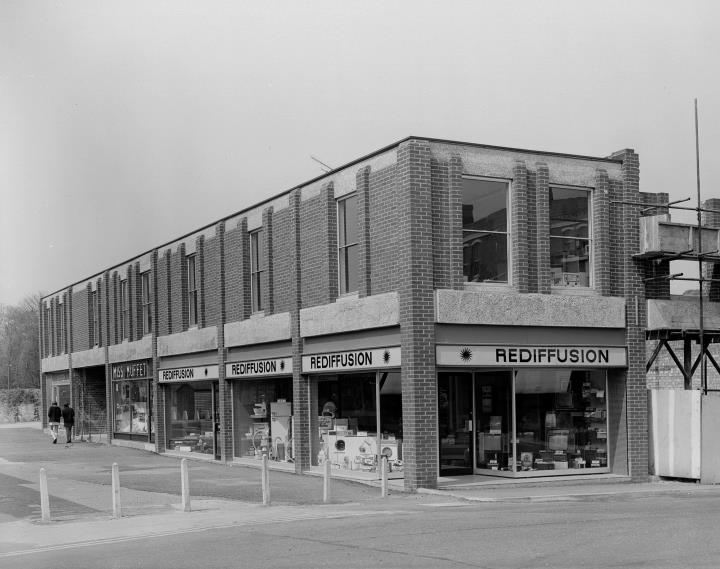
{"points": [[19, 352]]}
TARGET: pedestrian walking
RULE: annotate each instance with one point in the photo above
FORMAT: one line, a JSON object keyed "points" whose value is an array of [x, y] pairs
{"points": [[68, 415], [54, 416]]}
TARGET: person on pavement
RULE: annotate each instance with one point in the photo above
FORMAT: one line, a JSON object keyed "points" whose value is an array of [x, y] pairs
{"points": [[54, 415], [68, 415]]}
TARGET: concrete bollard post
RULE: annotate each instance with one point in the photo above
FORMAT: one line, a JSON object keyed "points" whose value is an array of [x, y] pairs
{"points": [[326, 478], [185, 479], [117, 506], [384, 481], [265, 481], [44, 499]]}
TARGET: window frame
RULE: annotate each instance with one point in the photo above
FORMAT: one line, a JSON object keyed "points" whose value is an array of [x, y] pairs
{"points": [[344, 248], [146, 300], [192, 291], [258, 265], [508, 232], [589, 239]]}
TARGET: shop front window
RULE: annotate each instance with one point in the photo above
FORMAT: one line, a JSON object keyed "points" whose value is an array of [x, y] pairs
{"points": [[524, 422], [132, 403], [358, 421], [263, 419], [191, 413]]}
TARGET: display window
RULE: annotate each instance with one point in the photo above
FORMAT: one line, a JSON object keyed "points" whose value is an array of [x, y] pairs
{"points": [[263, 419], [357, 419], [132, 403], [192, 411], [527, 422]]}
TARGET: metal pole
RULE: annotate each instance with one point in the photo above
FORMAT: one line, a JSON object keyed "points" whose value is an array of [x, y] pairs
{"points": [[185, 483], [384, 479], [326, 478], [117, 506], [703, 374], [265, 480], [44, 500]]}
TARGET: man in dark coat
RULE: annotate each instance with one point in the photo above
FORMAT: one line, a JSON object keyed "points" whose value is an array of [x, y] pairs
{"points": [[54, 415], [68, 415]]}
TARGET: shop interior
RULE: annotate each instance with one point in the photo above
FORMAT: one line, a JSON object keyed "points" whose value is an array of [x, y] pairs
{"points": [[523, 423], [193, 417]]}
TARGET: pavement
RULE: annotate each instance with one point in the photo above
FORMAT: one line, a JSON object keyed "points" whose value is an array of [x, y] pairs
{"points": [[81, 500]]}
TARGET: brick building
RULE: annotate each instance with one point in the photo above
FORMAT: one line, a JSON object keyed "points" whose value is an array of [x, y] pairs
{"points": [[458, 308]]}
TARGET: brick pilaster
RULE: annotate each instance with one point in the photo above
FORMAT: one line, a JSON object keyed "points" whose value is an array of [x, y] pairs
{"points": [[200, 279], [417, 330], [454, 250], [519, 230], [601, 233], [268, 290], [244, 270], [362, 183], [329, 206], [301, 408], [636, 319], [542, 220]]}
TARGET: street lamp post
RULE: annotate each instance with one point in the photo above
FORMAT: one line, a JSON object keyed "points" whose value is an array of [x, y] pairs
{"points": [[9, 368]]}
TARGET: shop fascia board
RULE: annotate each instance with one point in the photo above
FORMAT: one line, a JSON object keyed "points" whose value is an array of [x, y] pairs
{"points": [[258, 330], [682, 314], [87, 358], [55, 363], [349, 314], [495, 308], [129, 351], [194, 340]]}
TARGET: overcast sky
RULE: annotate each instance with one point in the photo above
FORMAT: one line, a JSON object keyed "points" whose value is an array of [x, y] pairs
{"points": [[126, 124]]}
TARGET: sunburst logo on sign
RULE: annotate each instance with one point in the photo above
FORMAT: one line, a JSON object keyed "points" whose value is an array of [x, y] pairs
{"points": [[386, 356], [466, 354], [282, 365]]}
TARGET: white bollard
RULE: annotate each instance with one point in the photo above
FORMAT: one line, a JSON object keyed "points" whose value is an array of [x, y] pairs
{"points": [[44, 500], [117, 507], [265, 481], [185, 485], [326, 478], [384, 481]]}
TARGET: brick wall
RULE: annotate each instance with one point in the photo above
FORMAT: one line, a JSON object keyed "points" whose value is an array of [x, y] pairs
{"points": [[80, 316], [542, 228], [413, 239], [385, 272], [283, 258], [214, 279], [318, 246], [519, 220]]}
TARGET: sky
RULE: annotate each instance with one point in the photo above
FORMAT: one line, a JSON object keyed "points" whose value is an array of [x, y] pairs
{"points": [[126, 124]]}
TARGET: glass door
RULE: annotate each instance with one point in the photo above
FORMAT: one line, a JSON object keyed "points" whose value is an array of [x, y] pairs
{"points": [[455, 421], [494, 422]]}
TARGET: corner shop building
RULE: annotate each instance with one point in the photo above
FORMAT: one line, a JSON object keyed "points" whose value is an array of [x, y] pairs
{"points": [[458, 308]]}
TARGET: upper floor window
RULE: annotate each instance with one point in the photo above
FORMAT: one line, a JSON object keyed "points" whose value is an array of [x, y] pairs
{"points": [[124, 309], [486, 238], [94, 319], [570, 237], [348, 244], [146, 302], [48, 331], [192, 298], [258, 262]]}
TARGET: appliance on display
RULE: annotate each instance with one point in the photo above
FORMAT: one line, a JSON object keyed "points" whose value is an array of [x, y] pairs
{"points": [[280, 429], [260, 409]]}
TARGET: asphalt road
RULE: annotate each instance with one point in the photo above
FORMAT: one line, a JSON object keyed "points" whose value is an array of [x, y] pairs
{"points": [[657, 532]]}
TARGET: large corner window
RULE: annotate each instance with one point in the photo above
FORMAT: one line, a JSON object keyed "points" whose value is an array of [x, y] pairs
{"points": [[570, 249], [124, 309], [146, 303], [258, 262], [348, 244], [485, 230], [192, 292]]}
